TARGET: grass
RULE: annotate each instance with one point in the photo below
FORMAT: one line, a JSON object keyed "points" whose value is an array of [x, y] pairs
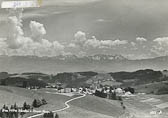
{"points": [[151, 88], [146, 103], [99, 105], [11, 95], [77, 112]]}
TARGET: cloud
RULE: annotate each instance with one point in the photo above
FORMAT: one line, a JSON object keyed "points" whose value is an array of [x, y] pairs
{"points": [[160, 46], [3, 46], [133, 43], [103, 20], [100, 20], [82, 40], [58, 46], [15, 32], [161, 41], [141, 39], [17, 44], [93, 42], [71, 45], [37, 30], [66, 2], [138, 56], [114, 43]]}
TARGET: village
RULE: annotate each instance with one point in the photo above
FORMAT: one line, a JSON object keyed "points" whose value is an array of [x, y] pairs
{"points": [[96, 88]]}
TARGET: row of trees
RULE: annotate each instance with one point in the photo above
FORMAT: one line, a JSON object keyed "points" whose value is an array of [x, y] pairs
{"points": [[15, 112]]}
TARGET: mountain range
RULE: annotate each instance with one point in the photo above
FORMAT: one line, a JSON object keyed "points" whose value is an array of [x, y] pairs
{"points": [[73, 63]]}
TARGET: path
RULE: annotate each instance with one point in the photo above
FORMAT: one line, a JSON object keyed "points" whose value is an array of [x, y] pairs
{"points": [[67, 106]]}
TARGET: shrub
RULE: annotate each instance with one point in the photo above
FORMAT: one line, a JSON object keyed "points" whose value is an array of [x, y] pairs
{"points": [[119, 98], [36, 103], [163, 90], [44, 101], [48, 115], [56, 115], [114, 97], [124, 107], [100, 94], [132, 90]]}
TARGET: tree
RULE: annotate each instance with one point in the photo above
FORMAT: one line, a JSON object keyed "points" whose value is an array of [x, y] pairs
{"points": [[130, 89], [4, 106], [113, 95], [119, 98], [36, 103], [48, 115], [122, 103], [24, 106], [1, 114], [56, 115], [124, 107], [44, 101], [3, 82], [24, 84]]}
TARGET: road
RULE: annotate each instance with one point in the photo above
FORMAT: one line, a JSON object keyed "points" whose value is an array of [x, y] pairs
{"points": [[67, 106]]}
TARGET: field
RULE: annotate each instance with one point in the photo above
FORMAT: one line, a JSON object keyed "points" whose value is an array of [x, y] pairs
{"points": [[151, 87], [89, 106], [99, 105], [146, 105], [11, 95]]}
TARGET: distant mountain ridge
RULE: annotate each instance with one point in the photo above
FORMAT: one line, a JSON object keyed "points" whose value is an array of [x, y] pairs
{"points": [[97, 57], [73, 63]]}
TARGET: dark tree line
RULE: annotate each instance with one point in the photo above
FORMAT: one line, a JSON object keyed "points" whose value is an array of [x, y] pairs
{"points": [[50, 115], [15, 112], [100, 94]]}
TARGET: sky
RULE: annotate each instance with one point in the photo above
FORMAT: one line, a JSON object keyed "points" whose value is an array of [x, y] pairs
{"points": [[136, 29]]}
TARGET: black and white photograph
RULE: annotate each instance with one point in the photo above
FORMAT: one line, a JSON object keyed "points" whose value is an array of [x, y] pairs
{"points": [[83, 58]]}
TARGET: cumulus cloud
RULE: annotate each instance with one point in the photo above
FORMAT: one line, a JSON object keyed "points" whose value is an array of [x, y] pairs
{"points": [[104, 43], [133, 44], [161, 46], [82, 40], [103, 20], [80, 37], [58, 46], [15, 32], [71, 45], [141, 39], [93, 42], [17, 44], [161, 41], [115, 42], [3, 46], [37, 30]]}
